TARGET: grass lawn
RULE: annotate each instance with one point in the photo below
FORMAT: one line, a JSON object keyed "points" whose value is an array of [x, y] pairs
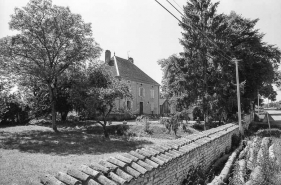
{"points": [[26, 152]]}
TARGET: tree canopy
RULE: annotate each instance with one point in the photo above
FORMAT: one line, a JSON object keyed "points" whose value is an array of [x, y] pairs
{"points": [[96, 93], [51, 39], [204, 74]]}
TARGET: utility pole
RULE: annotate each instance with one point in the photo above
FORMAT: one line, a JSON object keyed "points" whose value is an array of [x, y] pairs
{"points": [[258, 105], [238, 97]]}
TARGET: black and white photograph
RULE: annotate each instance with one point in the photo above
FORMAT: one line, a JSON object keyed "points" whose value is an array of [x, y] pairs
{"points": [[140, 92]]}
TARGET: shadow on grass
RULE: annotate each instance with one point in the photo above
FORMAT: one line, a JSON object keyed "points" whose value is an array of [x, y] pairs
{"points": [[67, 142]]}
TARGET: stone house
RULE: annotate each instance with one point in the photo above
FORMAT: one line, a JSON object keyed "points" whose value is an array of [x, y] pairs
{"points": [[145, 90]]}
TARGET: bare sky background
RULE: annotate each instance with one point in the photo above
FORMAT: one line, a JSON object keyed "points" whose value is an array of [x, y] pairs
{"points": [[144, 30]]}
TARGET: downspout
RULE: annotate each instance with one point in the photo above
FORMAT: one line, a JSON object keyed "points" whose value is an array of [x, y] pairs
{"points": [[136, 96], [158, 101]]}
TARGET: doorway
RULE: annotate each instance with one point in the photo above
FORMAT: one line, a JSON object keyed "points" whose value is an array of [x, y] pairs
{"points": [[141, 108]]}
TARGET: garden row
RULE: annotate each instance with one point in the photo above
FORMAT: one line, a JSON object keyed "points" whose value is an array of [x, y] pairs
{"points": [[255, 164]]}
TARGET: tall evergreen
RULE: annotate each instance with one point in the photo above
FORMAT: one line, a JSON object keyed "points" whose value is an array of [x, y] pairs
{"points": [[204, 73]]}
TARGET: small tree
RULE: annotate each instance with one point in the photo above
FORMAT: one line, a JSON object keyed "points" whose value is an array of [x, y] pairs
{"points": [[51, 39], [104, 95], [95, 93]]}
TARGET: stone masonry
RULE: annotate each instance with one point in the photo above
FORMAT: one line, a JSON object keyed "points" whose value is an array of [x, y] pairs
{"points": [[166, 164]]}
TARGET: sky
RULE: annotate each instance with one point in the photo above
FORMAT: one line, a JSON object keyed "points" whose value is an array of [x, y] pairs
{"points": [[142, 29]]}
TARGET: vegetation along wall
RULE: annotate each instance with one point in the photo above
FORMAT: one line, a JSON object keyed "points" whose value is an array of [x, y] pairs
{"points": [[166, 164]]}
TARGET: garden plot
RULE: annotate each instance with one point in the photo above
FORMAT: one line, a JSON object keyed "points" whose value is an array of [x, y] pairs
{"points": [[256, 164]]}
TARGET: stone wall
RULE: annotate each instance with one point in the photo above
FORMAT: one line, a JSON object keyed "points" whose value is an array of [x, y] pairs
{"points": [[166, 164]]}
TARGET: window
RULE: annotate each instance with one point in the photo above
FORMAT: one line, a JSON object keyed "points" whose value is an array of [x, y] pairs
{"points": [[152, 93], [141, 92]]}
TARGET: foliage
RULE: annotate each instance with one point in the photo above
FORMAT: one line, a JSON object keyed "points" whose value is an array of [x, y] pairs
{"points": [[204, 74], [12, 109], [171, 123], [36, 96], [268, 173], [197, 113], [51, 40], [194, 74], [274, 132], [260, 60], [146, 127], [196, 176], [146, 123], [97, 92]]}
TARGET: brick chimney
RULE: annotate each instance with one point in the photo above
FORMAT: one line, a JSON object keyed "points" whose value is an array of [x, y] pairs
{"points": [[131, 60], [108, 58]]}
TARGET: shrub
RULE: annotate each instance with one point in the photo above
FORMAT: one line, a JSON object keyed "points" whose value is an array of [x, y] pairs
{"points": [[146, 127], [146, 124], [235, 141], [256, 117], [269, 133], [198, 126]]}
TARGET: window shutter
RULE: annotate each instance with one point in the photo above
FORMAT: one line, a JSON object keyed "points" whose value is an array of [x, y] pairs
{"points": [[142, 92]]}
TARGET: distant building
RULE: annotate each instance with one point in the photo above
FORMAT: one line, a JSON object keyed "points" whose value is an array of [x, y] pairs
{"points": [[144, 89], [164, 107], [173, 105]]}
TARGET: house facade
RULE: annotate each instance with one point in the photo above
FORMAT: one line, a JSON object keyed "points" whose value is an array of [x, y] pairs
{"points": [[145, 90]]}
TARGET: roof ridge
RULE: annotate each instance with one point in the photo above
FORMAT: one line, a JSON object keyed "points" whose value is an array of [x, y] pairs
{"points": [[129, 70]]}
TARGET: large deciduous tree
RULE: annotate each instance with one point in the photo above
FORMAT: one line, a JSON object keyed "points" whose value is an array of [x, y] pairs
{"points": [[51, 39], [259, 60]]}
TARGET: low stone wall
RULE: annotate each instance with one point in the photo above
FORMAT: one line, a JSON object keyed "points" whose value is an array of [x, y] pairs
{"points": [[166, 164]]}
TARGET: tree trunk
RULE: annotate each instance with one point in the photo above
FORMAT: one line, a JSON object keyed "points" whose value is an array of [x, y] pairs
{"points": [[54, 115], [63, 115], [53, 106], [205, 108], [106, 135]]}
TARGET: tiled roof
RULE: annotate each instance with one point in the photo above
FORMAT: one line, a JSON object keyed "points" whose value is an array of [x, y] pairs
{"points": [[161, 101], [129, 71]]}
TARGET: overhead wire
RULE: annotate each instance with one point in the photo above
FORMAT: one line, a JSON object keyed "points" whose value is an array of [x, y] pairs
{"points": [[177, 4], [168, 11], [194, 28]]}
